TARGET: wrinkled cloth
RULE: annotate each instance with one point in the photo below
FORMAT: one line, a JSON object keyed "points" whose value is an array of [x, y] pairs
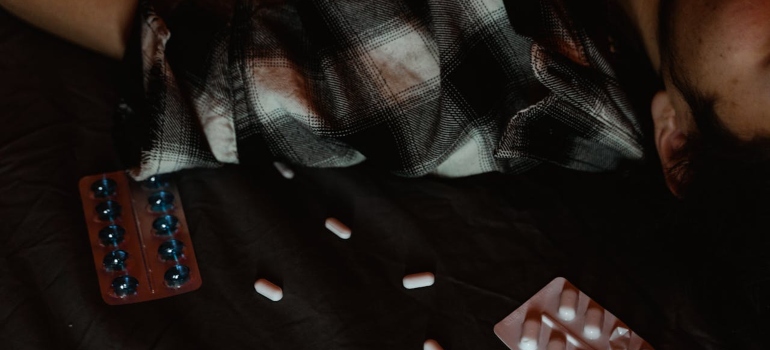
{"points": [[453, 88]]}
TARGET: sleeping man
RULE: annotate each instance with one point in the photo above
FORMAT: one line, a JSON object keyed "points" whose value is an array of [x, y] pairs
{"points": [[450, 88]]}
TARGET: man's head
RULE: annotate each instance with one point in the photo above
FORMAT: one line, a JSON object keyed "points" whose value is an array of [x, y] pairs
{"points": [[715, 111]]}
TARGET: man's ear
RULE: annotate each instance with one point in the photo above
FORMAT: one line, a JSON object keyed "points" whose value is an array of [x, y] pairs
{"points": [[669, 140]]}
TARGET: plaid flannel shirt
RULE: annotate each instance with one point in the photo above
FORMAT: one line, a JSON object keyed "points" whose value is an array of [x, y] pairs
{"points": [[449, 87]]}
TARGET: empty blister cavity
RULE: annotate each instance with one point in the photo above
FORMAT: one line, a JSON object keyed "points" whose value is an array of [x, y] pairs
{"points": [[161, 201], [284, 169], [108, 210], [568, 304], [593, 322], [115, 260], [530, 333], [431, 344], [165, 225], [104, 187], [124, 286], [338, 228], [112, 235], [171, 250], [419, 280], [268, 290], [176, 276], [156, 182]]}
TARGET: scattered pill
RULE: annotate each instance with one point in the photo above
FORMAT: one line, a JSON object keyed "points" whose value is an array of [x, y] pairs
{"points": [[593, 323], [176, 276], [568, 304], [165, 225], [171, 250], [161, 201], [419, 280], [530, 332], [108, 210], [124, 286], [268, 289], [112, 235], [338, 228], [115, 260], [284, 169], [104, 188], [431, 344]]}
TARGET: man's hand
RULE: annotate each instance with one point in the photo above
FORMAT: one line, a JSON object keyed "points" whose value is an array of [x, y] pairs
{"points": [[103, 26]]}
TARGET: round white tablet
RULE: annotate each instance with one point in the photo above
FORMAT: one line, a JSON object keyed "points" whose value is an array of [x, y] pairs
{"points": [[431, 344], [419, 280], [268, 289]]}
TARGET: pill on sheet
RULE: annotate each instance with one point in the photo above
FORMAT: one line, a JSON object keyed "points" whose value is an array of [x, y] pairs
{"points": [[530, 333], [419, 280], [268, 289], [593, 323], [284, 169], [568, 304], [431, 344], [338, 228]]}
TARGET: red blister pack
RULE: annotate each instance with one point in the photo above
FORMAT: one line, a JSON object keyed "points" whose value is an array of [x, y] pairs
{"points": [[141, 246]]}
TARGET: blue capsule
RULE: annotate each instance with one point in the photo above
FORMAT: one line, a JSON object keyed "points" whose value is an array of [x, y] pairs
{"points": [[177, 276], [112, 235], [104, 188], [108, 210], [115, 260], [124, 286], [165, 225], [156, 181], [161, 201], [171, 250]]}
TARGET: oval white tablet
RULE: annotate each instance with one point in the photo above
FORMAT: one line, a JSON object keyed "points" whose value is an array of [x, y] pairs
{"points": [[338, 228], [431, 344], [268, 289], [284, 169], [419, 280], [530, 332]]}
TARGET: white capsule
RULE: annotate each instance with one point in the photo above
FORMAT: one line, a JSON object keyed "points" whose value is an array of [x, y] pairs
{"points": [[284, 169], [568, 304], [338, 228], [593, 323], [431, 344], [419, 280], [530, 332], [268, 289]]}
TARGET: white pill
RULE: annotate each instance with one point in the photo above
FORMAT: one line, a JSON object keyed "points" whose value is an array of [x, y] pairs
{"points": [[284, 169], [268, 289], [431, 344], [419, 280], [530, 332], [568, 304], [594, 320], [338, 228]]}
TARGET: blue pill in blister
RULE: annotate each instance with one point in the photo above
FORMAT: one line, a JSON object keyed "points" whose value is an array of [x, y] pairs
{"points": [[112, 235], [161, 201], [115, 260], [171, 250], [165, 225], [124, 286], [156, 181], [177, 275], [108, 210], [104, 188]]}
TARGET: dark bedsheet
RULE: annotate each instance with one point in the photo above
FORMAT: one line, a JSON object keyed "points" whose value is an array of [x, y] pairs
{"points": [[493, 240]]}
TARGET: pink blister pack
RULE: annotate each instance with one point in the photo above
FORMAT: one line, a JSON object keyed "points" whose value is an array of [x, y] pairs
{"points": [[561, 317]]}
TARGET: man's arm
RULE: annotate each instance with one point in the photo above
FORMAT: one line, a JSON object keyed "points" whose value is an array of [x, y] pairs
{"points": [[103, 26]]}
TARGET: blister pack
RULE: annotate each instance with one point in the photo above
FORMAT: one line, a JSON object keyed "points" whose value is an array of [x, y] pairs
{"points": [[139, 238], [561, 317]]}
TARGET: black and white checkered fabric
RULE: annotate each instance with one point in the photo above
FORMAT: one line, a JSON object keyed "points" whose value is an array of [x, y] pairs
{"points": [[448, 87]]}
